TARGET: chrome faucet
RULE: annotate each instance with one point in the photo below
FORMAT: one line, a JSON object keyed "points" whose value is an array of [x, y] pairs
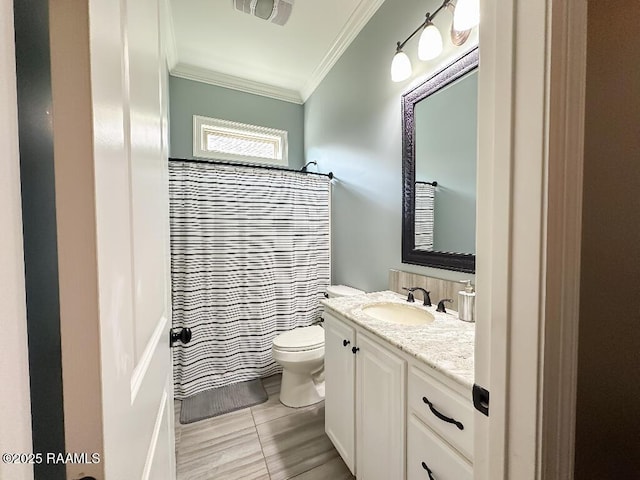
{"points": [[410, 298]]}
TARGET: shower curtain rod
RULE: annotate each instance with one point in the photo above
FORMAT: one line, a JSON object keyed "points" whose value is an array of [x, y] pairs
{"points": [[434, 183], [264, 167]]}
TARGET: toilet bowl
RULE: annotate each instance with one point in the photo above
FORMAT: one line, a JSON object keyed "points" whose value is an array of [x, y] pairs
{"points": [[300, 353]]}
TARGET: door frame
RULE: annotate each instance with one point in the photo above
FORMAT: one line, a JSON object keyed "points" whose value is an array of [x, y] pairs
{"points": [[531, 91], [15, 402]]}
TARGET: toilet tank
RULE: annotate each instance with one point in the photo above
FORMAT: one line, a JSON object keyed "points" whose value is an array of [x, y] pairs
{"points": [[334, 291]]}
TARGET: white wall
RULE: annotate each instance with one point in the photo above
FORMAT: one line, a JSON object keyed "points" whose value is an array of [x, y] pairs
{"points": [[15, 403]]}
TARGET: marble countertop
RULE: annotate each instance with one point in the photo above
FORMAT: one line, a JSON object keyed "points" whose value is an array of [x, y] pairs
{"points": [[446, 344]]}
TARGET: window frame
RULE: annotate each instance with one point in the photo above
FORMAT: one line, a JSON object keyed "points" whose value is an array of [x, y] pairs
{"points": [[200, 123]]}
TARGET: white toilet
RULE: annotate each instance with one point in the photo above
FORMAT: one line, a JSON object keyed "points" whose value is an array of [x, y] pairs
{"points": [[300, 352]]}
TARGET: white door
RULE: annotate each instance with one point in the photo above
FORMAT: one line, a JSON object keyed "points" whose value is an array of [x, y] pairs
{"points": [[339, 364], [110, 143], [15, 415], [380, 412], [133, 240]]}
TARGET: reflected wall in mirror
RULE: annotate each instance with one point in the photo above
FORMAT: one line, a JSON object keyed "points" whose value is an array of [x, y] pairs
{"points": [[439, 168], [446, 146]]}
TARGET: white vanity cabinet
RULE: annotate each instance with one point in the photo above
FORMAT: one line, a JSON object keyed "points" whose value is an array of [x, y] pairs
{"points": [[339, 403], [429, 458], [380, 411], [389, 415], [365, 402], [439, 429]]}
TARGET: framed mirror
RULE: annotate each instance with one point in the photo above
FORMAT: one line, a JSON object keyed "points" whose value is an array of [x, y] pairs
{"points": [[439, 158]]}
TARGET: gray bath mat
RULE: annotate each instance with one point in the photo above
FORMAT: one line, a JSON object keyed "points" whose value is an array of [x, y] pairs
{"points": [[218, 401]]}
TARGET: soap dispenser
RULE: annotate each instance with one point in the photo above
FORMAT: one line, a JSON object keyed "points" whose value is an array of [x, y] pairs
{"points": [[467, 303]]}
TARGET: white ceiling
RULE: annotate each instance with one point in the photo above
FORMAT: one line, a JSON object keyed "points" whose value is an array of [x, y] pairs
{"points": [[210, 41]]}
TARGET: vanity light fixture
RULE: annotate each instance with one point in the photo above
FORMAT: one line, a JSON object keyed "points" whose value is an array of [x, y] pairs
{"points": [[430, 43], [466, 15], [400, 66]]}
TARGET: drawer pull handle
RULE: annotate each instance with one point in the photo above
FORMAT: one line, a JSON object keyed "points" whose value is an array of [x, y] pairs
{"points": [[355, 350], [442, 417], [345, 343], [431, 477]]}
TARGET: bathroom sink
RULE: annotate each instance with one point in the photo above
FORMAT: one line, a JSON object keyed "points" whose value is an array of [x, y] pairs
{"points": [[398, 313]]}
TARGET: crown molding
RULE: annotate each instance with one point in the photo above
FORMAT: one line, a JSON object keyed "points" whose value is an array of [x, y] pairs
{"points": [[198, 74], [169, 34], [359, 18]]}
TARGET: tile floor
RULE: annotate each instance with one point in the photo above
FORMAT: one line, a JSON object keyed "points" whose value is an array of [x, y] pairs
{"points": [[268, 441]]}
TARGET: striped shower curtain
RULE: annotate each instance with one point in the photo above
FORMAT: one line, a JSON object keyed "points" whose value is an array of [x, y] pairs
{"points": [[424, 215], [250, 258]]}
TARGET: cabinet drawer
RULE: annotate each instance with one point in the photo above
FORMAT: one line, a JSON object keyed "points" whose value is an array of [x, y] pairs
{"points": [[426, 451], [445, 404]]}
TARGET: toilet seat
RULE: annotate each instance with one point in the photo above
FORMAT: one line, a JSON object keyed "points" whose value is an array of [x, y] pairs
{"points": [[300, 339]]}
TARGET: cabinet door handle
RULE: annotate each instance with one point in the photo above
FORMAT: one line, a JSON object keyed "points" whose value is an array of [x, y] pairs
{"points": [[345, 343], [442, 417], [354, 350], [426, 467]]}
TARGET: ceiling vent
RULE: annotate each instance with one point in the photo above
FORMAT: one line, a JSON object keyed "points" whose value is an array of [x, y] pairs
{"points": [[275, 11]]}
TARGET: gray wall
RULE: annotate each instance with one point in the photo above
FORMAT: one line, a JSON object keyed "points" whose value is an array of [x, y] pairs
{"points": [[39, 227], [353, 128], [188, 98], [607, 413], [446, 151]]}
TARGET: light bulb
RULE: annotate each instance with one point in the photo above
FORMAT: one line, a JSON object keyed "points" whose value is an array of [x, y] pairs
{"points": [[430, 44], [400, 67], [466, 15]]}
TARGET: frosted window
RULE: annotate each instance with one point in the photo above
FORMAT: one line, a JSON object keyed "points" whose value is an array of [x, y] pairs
{"points": [[224, 140]]}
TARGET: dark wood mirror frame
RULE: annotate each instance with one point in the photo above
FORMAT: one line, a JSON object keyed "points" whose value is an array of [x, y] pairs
{"points": [[461, 262]]}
